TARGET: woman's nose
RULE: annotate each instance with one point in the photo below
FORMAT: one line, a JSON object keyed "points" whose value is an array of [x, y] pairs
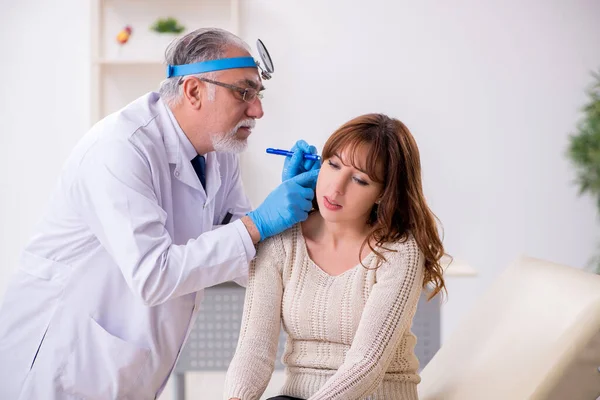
{"points": [[339, 185]]}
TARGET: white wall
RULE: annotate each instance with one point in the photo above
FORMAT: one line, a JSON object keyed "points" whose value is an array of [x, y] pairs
{"points": [[44, 97], [489, 91]]}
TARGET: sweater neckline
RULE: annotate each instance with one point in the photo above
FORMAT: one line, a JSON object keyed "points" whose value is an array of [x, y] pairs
{"points": [[365, 261]]}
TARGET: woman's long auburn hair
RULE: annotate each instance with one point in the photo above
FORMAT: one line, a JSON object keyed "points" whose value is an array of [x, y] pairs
{"points": [[393, 153]]}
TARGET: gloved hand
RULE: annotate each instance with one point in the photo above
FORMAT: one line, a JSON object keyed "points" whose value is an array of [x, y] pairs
{"points": [[285, 206], [296, 164]]}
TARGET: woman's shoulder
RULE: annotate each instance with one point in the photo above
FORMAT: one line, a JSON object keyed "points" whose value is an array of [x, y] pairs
{"points": [[405, 248], [407, 241], [402, 260], [281, 243]]}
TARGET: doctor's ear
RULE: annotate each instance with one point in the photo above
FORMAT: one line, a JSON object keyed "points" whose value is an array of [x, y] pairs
{"points": [[192, 91]]}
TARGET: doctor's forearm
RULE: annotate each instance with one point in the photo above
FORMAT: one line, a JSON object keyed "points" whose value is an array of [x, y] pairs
{"points": [[252, 229], [168, 271]]}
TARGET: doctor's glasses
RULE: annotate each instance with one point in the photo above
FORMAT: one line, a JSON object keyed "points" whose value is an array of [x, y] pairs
{"points": [[247, 94]]}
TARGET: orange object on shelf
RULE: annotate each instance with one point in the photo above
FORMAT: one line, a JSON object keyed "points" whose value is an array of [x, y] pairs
{"points": [[124, 34]]}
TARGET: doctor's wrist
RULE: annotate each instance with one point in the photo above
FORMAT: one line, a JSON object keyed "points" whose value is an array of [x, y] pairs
{"points": [[251, 228]]}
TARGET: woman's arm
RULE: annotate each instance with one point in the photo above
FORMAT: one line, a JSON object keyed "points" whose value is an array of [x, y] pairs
{"points": [[387, 315], [253, 363]]}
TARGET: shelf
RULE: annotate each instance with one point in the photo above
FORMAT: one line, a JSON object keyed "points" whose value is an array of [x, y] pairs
{"points": [[460, 270], [132, 61], [457, 268], [121, 73]]}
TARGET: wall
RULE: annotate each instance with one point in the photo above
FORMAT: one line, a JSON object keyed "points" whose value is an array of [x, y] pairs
{"points": [[489, 91], [44, 100]]}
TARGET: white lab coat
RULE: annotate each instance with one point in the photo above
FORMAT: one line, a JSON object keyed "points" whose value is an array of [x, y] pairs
{"points": [[109, 286]]}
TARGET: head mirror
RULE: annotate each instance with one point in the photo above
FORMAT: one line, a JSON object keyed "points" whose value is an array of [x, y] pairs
{"points": [[226, 63], [266, 60]]}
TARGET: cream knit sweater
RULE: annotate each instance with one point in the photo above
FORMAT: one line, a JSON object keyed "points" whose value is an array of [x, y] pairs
{"points": [[349, 335]]}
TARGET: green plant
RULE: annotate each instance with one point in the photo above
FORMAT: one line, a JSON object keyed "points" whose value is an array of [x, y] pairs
{"points": [[167, 25], [584, 148]]}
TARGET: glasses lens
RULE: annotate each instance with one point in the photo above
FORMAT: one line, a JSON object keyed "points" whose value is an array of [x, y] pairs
{"points": [[250, 95]]}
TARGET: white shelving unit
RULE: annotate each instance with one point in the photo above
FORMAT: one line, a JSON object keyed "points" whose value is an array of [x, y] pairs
{"points": [[121, 73]]}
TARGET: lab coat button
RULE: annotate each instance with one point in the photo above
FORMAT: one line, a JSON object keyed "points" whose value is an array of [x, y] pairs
{"points": [[177, 174]]}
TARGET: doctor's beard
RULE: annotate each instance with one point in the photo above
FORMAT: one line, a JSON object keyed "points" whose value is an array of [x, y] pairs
{"points": [[229, 142]]}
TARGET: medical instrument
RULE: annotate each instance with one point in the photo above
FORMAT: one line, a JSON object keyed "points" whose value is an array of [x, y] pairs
{"points": [[226, 63], [289, 154]]}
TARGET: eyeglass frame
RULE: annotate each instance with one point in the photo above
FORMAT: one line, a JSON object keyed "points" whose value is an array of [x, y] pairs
{"points": [[242, 91]]}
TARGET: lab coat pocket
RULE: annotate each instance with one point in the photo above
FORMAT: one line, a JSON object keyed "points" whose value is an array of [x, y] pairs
{"points": [[34, 291], [102, 366]]}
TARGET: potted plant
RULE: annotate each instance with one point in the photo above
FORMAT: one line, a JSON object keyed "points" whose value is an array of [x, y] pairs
{"points": [[167, 29], [584, 148], [167, 25]]}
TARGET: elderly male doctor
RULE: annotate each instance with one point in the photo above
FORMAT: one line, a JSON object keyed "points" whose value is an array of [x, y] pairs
{"points": [[110, 284]]}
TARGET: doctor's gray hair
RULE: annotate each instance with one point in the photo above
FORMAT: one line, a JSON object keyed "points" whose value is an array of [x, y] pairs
{"points": [[197, 46]]}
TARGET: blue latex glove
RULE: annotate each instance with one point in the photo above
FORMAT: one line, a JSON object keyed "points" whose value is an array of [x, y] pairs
{"points": [[296, 164], [285, 206]]}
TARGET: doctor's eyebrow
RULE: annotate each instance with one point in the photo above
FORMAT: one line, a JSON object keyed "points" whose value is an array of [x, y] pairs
{"points": [[252, 84]]}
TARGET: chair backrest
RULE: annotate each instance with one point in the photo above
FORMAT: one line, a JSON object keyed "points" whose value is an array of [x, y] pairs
{"points": [[535, 334]]}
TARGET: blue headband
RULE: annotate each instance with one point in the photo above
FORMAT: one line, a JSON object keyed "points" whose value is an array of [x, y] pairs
{"points": [[209, 66]]}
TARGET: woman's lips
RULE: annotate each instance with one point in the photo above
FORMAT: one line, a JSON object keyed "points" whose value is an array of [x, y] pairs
{"points": [[330, 205]]}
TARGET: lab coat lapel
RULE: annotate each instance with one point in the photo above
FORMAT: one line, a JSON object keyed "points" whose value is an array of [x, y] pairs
{"points": [[213, 175], [173, 135], [184, 171]]}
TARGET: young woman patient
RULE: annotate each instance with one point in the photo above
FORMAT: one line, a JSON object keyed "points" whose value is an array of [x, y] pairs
{"points": [[345, 283]]}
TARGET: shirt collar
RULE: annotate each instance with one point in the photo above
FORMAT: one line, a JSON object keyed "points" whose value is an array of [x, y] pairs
{"points": [[184, 145]]}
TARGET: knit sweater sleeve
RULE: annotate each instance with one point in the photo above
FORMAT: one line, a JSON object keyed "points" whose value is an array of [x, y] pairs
{"points": [[388, 313], [252, 365]]}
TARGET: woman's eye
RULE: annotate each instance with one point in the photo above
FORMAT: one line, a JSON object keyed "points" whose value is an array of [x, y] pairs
{"points": [[332, 165], [360, 182]]}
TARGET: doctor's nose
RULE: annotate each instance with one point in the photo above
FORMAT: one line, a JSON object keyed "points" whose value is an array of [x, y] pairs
{"points": [[255, 109]]}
